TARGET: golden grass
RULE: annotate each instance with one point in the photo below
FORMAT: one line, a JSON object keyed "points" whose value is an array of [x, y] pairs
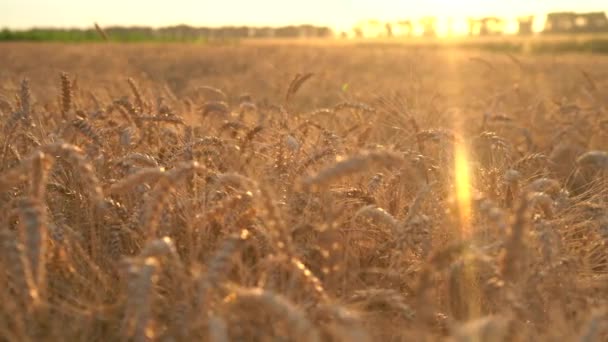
{"points": [[177, 192]]}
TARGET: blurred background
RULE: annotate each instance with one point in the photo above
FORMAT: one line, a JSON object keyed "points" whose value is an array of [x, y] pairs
{"points": [[228, 20]]}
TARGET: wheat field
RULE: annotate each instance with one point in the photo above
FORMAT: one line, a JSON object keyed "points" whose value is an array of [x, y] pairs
{"points": [[277, 192]]}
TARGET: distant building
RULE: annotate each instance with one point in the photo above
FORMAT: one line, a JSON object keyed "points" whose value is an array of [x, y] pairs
{"points": [[488, 26], [429, 26], [560, 22], [570, 22], [595, 21], [371, 29], [525, 25]]}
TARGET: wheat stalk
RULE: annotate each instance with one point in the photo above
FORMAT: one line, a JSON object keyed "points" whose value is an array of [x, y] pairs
{"points": [[66, 95], [101, 32], [137, 321], [139, 100], [295, 84], [157, 198], [25, 98], [349, 166], [303, 329], [33, 233]]}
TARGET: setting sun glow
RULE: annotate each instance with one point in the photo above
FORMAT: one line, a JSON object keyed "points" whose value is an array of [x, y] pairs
{"points": [[339, 15]]}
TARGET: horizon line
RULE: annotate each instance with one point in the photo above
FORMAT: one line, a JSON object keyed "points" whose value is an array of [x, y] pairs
{"points": [[334, 26]]}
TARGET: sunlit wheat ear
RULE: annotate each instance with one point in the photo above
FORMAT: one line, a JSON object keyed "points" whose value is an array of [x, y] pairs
{"points": [[355, 194], [352, 165], [206, 142], [66, 94], [219, 107], [354, 106], [159, 248], [310, 278], [295, 84], [33, 232], [167, 118], [15, 153], [40, 165], [234, 127], [86, 129], [320, 112], [14, 258], [302, 329], [436, 135], [137, 321], [128, 111], [83, 169], [374, 184], [137, 158], [154, 204], [377, 214], [247, 107], [148, 176], [535, 160], [139, 100], [215, 91], [155, 201], [222, 257], [127, 136], [218, 263], [544, 201], [25, 97], [249, 137]]}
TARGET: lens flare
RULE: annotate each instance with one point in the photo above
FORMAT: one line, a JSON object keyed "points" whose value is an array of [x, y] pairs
{"points": [[463, 188], [470, 287]]}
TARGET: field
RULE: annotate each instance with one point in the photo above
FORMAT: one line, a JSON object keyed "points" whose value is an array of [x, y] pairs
{"points": [[294, 192], [538, 43]]}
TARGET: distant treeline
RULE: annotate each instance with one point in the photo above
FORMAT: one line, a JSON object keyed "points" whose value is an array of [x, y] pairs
{"points": [[181, 33]]}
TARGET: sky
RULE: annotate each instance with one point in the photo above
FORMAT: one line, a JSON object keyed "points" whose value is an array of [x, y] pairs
{"points": [[21, 14]]}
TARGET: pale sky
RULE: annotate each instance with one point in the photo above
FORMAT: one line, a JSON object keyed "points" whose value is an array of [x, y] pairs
{"points": [[334, 13]]}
